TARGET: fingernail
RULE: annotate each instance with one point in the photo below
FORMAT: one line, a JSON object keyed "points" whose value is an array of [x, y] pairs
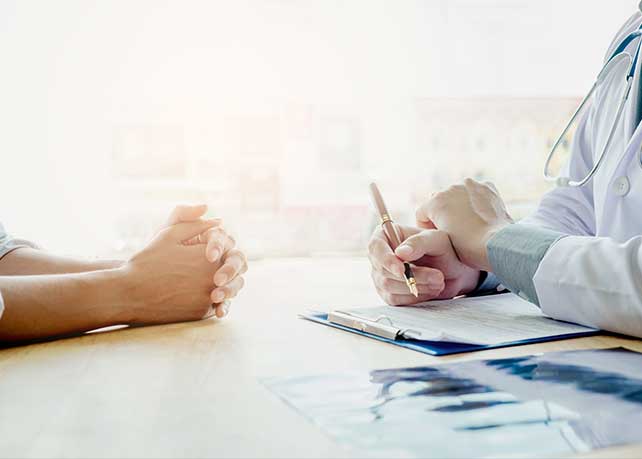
{"points": [[218, 296], [404, 250], [214, 254], [226, 307], [221, 279]]}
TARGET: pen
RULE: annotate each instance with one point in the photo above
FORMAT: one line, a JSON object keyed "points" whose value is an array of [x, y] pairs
{"points": [[390, 230]]}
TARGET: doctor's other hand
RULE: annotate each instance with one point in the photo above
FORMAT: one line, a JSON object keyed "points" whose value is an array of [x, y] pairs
{"points": [[470, 213], [219, 249], [438, 271]]}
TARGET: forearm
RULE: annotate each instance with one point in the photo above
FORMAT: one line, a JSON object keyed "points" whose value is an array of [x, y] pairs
{"points": [[592, 281], [51, 305], [27, 261], [515, 253]]}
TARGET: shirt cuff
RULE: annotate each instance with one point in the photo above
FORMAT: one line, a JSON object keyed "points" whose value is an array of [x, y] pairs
{"points": [[515, 253], [488, 283]]}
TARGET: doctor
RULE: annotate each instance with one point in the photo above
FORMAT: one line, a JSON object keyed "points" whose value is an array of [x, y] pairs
{"points": [[579, 256]]}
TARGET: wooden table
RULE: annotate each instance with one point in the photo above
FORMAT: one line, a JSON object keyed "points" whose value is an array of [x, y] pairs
{"points": [[193, 390]]}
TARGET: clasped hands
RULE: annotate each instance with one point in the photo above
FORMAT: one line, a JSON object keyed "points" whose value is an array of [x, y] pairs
{"points": [[447, 248], [189, 271]]}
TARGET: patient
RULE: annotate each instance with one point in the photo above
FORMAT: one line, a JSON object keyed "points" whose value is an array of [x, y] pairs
{"points": [[189, 271]]}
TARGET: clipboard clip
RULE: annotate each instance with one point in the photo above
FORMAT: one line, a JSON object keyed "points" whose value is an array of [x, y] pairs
{"points": [[382, 326]]}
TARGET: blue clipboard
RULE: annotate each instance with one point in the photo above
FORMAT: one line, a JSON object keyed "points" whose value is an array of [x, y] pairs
{"points": [[440, 347]]}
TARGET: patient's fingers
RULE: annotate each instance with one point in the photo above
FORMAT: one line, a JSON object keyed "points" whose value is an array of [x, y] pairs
{"points": [[218, 242], [186, 213], [235, 264], [228, 291], [221, 310]]}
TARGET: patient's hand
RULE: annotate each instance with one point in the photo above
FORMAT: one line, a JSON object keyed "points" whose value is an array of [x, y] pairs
{"points": [[438, 271], [219, 249], [169, 281]]}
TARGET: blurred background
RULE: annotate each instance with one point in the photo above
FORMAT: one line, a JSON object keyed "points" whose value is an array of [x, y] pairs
{"points": [[277, 113]]}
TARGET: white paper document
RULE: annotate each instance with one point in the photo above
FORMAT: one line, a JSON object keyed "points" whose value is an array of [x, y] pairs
{"points": [[485, 320]]}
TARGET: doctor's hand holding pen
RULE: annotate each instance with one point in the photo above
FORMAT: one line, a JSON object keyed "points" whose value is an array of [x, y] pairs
{"points": [[438, 272], [448, 261]]}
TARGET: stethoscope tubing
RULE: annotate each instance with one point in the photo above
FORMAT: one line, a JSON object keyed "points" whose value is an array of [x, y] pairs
{"points": [[618, 56]]}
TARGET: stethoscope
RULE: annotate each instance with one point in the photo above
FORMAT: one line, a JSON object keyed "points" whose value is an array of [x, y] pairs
{"points": [[618, 57]]}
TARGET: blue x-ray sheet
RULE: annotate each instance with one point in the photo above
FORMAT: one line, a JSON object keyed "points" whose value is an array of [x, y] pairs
{"points": [[542, 405]]}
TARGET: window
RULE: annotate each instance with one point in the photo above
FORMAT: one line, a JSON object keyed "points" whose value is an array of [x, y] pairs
{"points": [[277, 113]]}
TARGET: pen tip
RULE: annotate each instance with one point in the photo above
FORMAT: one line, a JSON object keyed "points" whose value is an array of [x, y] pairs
{"points": [[413, 289]]}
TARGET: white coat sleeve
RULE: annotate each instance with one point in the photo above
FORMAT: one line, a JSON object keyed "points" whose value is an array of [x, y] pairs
{"points": [[593, 281]]}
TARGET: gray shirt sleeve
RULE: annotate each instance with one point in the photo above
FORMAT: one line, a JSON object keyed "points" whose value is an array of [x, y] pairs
{"points": [[515, 253]]}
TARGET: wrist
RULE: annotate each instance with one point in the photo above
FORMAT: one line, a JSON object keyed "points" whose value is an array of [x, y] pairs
{"points": [[114, 292], [471, 280], [483, 262]]}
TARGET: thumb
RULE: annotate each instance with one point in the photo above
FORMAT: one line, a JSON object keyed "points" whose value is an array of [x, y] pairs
{"points": [[429, 242], [185, 231], [423, 220], [186, 213]]}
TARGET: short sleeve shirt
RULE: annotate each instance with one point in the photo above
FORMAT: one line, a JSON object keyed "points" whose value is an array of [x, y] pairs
{"points": [[8, 244]]}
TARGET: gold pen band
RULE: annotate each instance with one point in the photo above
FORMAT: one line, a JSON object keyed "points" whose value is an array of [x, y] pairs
{"points": [[412, 286], [385, 218]]}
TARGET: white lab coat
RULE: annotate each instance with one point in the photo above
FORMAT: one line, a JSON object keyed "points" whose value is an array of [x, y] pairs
{"points": [[594, 277]]}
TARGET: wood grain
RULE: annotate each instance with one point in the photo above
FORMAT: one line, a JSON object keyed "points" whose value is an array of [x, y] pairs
{"points": [[194, 390]]}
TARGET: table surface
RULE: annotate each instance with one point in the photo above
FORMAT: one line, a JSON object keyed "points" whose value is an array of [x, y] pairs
{"points": [[194, 390]]}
